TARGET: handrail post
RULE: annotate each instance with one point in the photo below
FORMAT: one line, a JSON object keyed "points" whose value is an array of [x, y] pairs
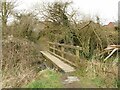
{"points": [[77, 53], [77, 56], [62, 53], [54, 48], [48, 46]]}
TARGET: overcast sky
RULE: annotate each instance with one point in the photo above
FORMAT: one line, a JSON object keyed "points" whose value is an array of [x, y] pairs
{"points": [[106, 9]]}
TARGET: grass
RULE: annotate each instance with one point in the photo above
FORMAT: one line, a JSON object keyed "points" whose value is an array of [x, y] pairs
{"points": [[88, 80], [46, 79], [99, 82], [85, 81], [118, 83]]}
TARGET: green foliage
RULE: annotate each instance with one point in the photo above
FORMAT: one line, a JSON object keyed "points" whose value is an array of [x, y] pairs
{"points": [[118, 83], [98, 81], [47, 79]]}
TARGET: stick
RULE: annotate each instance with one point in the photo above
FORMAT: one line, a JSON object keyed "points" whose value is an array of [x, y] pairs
{"points": [[111, 54]]}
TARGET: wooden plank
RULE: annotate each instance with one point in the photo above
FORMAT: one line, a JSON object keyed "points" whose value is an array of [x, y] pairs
{"points": [[63, 59], [65, 67]]}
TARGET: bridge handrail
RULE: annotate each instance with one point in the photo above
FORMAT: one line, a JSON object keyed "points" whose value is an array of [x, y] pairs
{"points": [[63, 46], [67, 46]]}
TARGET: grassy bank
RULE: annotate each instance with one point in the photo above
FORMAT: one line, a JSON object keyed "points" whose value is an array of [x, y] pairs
{"points": [[93, 76], [46, 79]]}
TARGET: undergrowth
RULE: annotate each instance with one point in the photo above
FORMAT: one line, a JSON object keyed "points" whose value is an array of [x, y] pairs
{"points": [[98, 78]]}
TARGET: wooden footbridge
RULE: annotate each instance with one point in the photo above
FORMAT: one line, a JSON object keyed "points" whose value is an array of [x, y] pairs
{"points": [[67, 57], [63, 57]]}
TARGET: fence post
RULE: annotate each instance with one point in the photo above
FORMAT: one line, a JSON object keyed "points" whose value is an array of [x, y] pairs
{"points": [[53, 48], [77, 57], [77, 52], [48, 46], [62, 53]]}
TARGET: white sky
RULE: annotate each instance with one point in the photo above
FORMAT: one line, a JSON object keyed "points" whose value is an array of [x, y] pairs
{"points": [[107, 10]]}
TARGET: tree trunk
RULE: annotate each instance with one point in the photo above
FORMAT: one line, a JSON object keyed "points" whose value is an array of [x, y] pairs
{"points": [[4, 15]]}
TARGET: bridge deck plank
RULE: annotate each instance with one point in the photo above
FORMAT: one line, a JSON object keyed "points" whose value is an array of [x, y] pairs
{"points": [[65, 67]]}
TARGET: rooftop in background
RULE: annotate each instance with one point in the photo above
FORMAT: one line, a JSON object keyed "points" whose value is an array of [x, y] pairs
{"points": [[111, 25]]}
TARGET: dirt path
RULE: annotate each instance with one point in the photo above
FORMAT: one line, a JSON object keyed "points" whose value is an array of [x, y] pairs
{"points": [[74, 82]]}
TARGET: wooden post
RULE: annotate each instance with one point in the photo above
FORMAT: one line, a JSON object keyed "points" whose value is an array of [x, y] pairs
{"points": [[77, 52], [62, 53], [49, 46], [53, 48], [77, 57]]}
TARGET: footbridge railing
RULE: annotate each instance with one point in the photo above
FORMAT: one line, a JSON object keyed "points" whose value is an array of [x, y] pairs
{"points": [[68, 53]]}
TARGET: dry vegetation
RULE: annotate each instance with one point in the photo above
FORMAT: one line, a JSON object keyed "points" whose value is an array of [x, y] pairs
{"points": [[23, 39], [107, 72], [20, 61]]}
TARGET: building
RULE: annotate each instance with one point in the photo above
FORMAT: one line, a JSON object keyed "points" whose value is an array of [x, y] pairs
{"points": [[111, 25]]}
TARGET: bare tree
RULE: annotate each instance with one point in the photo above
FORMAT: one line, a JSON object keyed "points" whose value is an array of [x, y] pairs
{"points": [[6, 9], [55, 12]]}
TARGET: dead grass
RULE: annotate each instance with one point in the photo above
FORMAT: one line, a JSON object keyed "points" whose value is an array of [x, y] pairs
{"points": [[105, 74], [18, 58], [95, 74]]}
